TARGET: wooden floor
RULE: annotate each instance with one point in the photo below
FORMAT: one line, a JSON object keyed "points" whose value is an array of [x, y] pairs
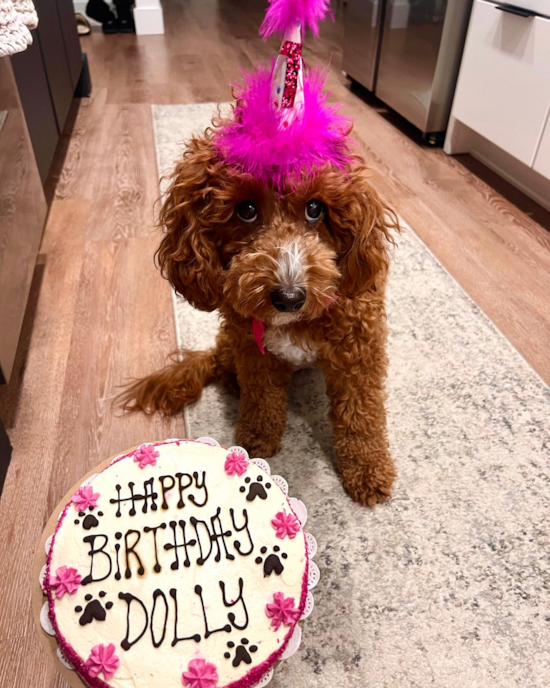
{"points": [[100, 313]]}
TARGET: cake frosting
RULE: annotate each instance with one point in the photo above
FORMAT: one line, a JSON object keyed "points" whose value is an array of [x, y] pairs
{"points": [[180, 564]]}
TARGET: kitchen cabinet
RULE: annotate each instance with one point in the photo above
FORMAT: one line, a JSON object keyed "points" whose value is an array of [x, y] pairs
{"points": [[21, 220], [47, 75], [37, 87], [503, 90], [37, 102], [71, 39], [500, 113]]}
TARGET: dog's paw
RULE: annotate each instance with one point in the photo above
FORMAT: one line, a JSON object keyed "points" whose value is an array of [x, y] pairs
{"points": [[367, 484], [262, 447]]}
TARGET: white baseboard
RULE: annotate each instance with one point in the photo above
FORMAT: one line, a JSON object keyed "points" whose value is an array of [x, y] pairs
{"points": [[537, 189], [149, 20], [462, 139]]}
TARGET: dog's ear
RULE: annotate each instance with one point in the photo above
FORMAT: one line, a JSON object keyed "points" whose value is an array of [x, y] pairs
{"points": [[188, 257], [370, 224]]}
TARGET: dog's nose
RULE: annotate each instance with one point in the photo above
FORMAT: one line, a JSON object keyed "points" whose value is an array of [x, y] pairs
{"points": [[288, 300]]}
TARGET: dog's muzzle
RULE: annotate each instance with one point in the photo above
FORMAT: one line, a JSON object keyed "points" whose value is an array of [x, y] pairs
{"points": [[288, 300]]}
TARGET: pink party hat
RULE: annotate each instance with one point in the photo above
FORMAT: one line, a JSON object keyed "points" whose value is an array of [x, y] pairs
{"points": [[282, 128]]}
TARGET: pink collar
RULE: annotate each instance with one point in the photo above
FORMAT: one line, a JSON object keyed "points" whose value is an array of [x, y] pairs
{"points": [[258, 328]]}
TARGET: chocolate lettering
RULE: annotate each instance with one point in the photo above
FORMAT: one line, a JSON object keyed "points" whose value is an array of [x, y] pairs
{"points": [[126, 644], [157, 567], [182, 487], [240, 598], [165, 489], [178, 545], [218, 535], [117, 551], [196, 637], [195, 523], [148, 497], [244, 527], [92, 553], [200, 486], [207, 631], [156, 594], [131, 550]]}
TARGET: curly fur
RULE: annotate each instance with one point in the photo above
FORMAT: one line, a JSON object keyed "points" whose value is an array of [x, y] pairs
{"points": [[216, 261]]}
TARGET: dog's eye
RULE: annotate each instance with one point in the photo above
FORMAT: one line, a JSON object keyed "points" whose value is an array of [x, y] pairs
{"points": [[314, 211], [247, 211]]}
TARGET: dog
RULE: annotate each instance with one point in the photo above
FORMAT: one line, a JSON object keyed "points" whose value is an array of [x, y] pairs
{"points": [[309, 268]]}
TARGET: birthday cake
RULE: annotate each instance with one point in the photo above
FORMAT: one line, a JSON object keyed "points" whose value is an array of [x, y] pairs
{"points": [[180, 564]]}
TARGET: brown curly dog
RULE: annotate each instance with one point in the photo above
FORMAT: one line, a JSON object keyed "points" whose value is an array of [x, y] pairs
{"points": [[311, 265]]}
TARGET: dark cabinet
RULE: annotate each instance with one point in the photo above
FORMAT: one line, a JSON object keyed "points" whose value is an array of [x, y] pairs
{"points": [[71, 40], [52, 46], [36, 90], [37, 102], [22, 216], [47, 75]]}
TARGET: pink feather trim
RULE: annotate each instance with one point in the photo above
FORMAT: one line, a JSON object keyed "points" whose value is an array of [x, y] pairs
{"points": [[257, 142], [283, 15]]}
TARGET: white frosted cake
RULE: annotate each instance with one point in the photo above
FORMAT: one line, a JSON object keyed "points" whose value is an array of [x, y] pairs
{"points": [[180, 564]]}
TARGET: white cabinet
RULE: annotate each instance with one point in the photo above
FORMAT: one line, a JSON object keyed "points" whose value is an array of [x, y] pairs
{"points": [[503, 91], [501, 109]]}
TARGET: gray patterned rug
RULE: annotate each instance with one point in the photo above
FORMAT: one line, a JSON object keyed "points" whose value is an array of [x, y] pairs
{"points": [[447, 585]]}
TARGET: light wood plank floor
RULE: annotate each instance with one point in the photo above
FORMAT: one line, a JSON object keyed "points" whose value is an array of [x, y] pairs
{"points": [[100, 312]]}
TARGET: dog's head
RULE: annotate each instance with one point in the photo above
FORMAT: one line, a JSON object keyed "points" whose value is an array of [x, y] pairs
{"points": [[277, 257]]}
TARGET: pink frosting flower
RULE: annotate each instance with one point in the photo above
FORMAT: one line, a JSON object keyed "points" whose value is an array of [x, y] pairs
{"points": [[102, 659], [85, 498], [282, 610], [65, 580], [200, 674], [286, 524], [146, 455], [235, 464]]}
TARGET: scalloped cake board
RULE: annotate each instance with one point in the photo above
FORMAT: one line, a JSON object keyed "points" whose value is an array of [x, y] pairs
{"points": [[49, 642], [443, 585], [39, 603]]}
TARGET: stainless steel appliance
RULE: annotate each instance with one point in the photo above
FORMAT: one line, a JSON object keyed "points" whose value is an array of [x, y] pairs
{"points": [[408, 52], [363, 24]]}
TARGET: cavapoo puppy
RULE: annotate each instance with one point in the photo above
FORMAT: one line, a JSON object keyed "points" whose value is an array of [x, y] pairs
{"points": [[298, 273]]}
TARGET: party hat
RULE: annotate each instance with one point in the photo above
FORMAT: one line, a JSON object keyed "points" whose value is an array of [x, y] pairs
{"points": [[282, 128]]}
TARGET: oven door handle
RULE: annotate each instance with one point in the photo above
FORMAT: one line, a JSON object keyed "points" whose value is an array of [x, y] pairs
{"points": [[518, 11]]}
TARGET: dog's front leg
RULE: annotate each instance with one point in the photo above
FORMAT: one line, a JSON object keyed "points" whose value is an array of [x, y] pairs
{"points": [[263, 380], [358, 420]]}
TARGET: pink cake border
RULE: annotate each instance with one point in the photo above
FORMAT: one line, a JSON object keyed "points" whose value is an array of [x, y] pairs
{"points": [[247, 681]]}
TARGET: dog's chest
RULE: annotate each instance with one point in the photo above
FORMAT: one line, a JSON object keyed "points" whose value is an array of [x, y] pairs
{"points": [[281, 345]]}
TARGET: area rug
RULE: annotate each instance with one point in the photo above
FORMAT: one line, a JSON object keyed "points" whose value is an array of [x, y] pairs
{"points": [[447, 585]]}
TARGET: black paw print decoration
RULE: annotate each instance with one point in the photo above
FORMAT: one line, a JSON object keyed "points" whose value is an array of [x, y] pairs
{"points": [[94, 610], [242, 652], [89, 521], [256, 488], [272, 563]]}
